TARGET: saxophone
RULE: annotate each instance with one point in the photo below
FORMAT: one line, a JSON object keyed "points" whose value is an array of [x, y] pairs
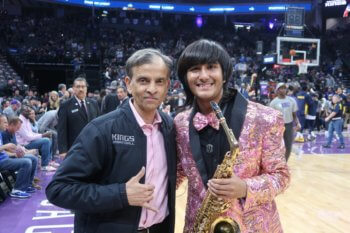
{"points": [[208, 219]]}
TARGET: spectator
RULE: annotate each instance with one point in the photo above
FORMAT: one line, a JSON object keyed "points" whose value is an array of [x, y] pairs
{"points": [[13, 158], [311, 116], [30, 140], [122, 94], [12, 110], [62, 88], [303, 100], [54, 101], [335, 122], [4, 104], [48, 123], [8, 136], [288, 106], [111, 101], [17, 96], [347, 112]]}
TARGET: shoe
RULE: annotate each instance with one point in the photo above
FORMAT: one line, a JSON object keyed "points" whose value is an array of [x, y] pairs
{"points": [[326, 146], [54, 164], [341, 147], [48, 169], [299, 139], [36, 180], [38, 187], [30, 189], [19, 194]]}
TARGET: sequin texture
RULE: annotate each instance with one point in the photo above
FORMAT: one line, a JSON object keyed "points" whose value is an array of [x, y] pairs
{"points": [[261, 163]]}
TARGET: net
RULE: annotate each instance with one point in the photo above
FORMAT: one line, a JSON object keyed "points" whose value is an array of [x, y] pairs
{"points": [[302, 65]]}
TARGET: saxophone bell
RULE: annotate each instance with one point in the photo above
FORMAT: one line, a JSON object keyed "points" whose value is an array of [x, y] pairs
{"points": [[224, 225]]}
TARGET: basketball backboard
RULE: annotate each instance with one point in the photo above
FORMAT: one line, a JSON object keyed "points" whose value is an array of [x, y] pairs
{"points": [[291, 50]]}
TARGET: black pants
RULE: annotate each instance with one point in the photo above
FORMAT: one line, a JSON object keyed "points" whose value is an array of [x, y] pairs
{"points": [[162, 227], [310, 125], [288, 137]]}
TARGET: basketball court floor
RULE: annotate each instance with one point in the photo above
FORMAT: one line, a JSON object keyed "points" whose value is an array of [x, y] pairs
{"points": [[317, 200]]}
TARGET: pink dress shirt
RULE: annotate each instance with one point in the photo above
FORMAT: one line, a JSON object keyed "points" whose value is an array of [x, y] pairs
{"points": [[156, 171], [25, 134]]}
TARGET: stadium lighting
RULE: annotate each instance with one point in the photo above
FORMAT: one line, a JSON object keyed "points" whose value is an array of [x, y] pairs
{"points": [[199, 21]]}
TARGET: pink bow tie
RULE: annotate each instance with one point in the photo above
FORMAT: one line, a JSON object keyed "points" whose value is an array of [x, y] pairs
{"points": [[200, 121]]}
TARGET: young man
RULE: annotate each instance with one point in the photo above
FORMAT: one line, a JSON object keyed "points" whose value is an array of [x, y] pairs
{"points": [[303, 101], [311, 117], [119, 176], [30, 140], [288, 107], [13, 157], [260, 171], [74, 114]]}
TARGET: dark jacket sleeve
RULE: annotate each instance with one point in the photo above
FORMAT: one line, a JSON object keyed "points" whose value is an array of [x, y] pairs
{"points": [[97, 109], [308, 100], [62, 128], [77, 182], [104, 105]]}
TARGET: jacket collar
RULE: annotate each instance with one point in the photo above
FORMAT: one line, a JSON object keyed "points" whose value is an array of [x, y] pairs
{"points": [[238, 114], [166, 129], [125, 107]]}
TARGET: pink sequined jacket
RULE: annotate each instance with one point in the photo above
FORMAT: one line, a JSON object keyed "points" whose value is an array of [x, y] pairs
{"points": [[260, 163]]}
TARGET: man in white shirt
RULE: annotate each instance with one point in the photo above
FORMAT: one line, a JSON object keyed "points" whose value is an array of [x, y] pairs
{"points": [[288, 106]]}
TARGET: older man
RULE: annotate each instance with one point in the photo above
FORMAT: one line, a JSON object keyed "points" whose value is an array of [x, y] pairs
{"points": [[119, 176], [16, 158], [74, 114], [12, 110]]}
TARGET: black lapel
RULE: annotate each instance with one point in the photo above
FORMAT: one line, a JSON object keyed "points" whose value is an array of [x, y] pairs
{"points": [[168, 134], [196, 148], [89, 108], [238, 114]]}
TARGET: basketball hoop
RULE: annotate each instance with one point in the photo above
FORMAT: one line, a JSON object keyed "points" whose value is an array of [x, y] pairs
{"points": [[302, 65]]}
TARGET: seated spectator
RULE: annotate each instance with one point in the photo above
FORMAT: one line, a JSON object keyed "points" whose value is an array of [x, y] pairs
{"points": [[48, 123], [62, 88], [13, 158], [54, 101], [17, 95], [4, 104], [11, 111], [30, 140], [8, 136], [33, 121]]}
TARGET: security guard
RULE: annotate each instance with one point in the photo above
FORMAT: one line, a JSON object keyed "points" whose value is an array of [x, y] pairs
{"points": [[119, 175]]}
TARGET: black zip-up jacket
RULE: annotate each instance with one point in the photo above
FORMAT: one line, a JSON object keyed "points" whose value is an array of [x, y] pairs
{"points": [[91, 180]]}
